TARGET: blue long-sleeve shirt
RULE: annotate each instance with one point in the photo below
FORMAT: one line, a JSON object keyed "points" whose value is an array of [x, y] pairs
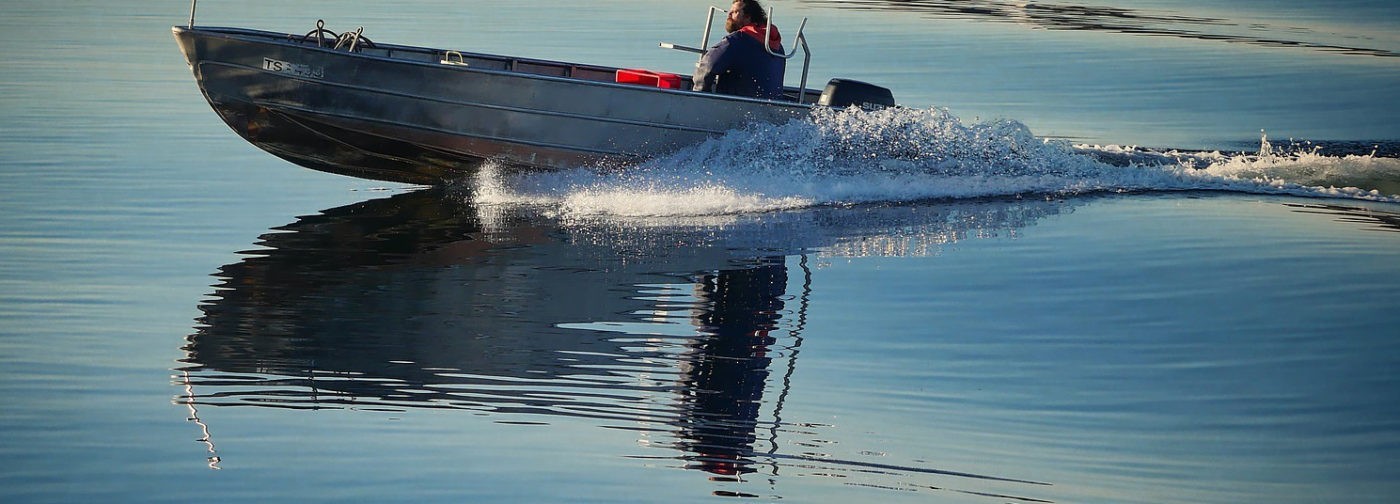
{"points": [[738, 65]]}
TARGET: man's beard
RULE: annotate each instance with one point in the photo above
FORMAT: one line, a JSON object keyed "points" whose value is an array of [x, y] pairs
{"points": [[731, 26]]}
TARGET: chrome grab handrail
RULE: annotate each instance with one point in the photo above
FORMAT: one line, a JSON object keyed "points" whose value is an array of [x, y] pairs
{"points": [[789, 55], [704, 40], [800, 38], [806, 52], [710, 23]]}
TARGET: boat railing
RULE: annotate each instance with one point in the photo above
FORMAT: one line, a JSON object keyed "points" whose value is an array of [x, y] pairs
{"points": [[800, 42]]}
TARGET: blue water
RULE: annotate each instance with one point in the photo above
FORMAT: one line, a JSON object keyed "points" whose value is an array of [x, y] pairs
{"points": [[1108, 252]]}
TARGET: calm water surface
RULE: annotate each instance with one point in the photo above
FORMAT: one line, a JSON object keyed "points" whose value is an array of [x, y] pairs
{"points": [[183, 317]]}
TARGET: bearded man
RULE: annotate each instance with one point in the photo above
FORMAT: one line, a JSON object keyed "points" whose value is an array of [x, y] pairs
{"points": [[739, 64]]}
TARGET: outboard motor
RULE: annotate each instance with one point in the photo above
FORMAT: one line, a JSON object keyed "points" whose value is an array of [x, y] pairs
{"points": [[841, 93]]}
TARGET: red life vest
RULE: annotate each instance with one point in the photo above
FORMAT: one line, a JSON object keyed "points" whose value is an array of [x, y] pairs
{"points": [[755, 30]]}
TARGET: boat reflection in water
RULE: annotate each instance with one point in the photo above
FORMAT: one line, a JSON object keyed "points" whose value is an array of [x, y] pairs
{"points": [[688, 334]]}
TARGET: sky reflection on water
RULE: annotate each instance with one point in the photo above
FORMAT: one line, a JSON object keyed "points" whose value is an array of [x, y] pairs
{"points": [[1162, 21]]}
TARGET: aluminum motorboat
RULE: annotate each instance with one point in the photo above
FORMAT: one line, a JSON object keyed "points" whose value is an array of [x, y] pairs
{"points": [[342, 103]]}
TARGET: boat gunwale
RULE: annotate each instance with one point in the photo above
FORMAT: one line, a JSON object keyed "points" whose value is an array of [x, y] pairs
{"points": [[446, 101]]}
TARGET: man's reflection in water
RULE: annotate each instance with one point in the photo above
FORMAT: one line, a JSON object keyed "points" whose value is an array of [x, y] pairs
{"points": [[725, 373]]}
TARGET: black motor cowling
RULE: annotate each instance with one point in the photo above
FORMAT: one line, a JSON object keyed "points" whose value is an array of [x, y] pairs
{"points": [[841, 93]]}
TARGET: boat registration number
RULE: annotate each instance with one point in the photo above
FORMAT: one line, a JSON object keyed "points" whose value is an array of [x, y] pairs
{"points": [[296, 69]]}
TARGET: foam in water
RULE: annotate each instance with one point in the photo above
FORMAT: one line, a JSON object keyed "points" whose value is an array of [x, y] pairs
{"points": [[839, 157]]}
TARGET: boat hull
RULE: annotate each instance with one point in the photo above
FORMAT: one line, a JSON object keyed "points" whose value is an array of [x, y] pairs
{"points": [[428, 116]]}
